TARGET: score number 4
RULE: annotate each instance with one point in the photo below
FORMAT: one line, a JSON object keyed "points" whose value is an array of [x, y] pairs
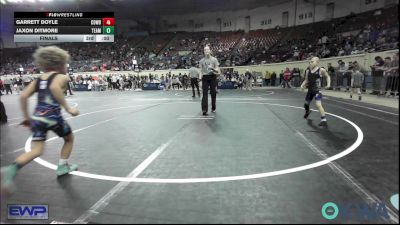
{"points": [[108, 21]]}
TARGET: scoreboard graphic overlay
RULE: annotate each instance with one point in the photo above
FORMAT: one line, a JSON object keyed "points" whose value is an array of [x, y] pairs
{"points": [[64, 26]]}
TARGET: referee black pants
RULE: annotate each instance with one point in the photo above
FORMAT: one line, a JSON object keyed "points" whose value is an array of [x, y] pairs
{"points": [[209, 82], [195, 83], [8, 88]]}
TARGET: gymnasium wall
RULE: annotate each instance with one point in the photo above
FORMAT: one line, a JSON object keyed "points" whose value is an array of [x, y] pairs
{"points": [[363, 59], [236, 19]]}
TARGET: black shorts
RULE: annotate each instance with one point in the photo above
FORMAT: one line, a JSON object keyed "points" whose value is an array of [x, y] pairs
{"points": [[313, 93], [40, 127]]}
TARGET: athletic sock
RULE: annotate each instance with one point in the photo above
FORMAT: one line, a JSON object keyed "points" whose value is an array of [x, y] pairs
{"points": [[62, 162], [17, 166], [12, 171], [323, 118]]}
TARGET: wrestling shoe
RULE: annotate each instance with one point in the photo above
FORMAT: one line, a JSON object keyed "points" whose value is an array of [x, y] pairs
{"points": [[7, 179], [307, 114], [323, 124], [65, 169]]}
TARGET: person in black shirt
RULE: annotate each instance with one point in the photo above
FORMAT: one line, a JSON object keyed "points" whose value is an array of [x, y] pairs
{"points": [[273, 79], [280, 78], [377, 75], [332, 74], [296, 77], [194, 75], [109, 82], [185, 81]]}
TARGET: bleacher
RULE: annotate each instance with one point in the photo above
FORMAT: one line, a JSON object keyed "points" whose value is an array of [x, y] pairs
{"points": [[375, 30]]}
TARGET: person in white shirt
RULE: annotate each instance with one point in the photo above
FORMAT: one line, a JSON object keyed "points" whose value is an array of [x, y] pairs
{"points": [[96, 85], [176, 82], [89, 83], [209, 67], [114, 82]]}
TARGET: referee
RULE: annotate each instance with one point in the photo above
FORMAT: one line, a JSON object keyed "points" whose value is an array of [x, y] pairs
{"points": [[209, 68]]}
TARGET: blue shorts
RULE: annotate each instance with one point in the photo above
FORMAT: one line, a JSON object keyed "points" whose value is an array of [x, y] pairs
{"points": [[40, 126], [313, 93]]}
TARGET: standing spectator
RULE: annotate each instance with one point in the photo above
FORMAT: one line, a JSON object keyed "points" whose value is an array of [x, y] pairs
{"points": [[168, 83], [347, 75], [121, 83], [19, 84], [70, 84], [362, 70], [229, 76], [130, 82], [267, 78], [357, 79], [114, 81], [89, 85], [342, 69], [386, 75], [7, 84], [280, 78], [393, 73], [134, 82], [296, 77], [143, 81], [194, 74], [286, 78], [377, 75], [109, 82], [249, 79], [273, 79], [27, 80], [240, 81], [185, 81], [151, 77], [332, 74], [180, 80], [14, 85]]}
